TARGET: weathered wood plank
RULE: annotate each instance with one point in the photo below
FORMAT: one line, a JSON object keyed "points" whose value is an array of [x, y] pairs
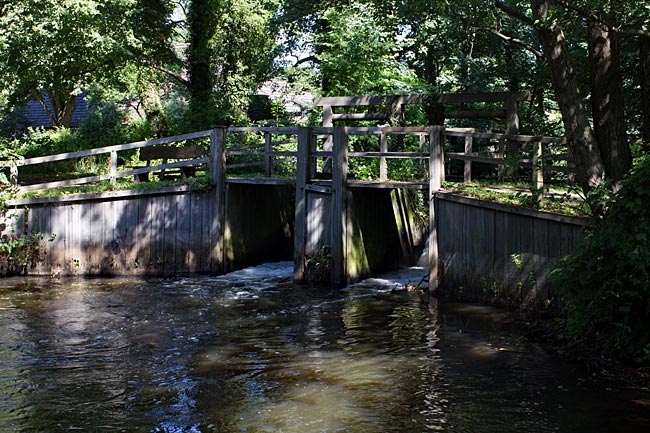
{"points": [[359, 116], [436, 178], [499, 136], [218, 175], [301, 205], [108, 149], [339, 206], [475, 114]]}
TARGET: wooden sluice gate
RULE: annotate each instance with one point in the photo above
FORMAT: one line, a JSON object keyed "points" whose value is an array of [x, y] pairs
{"points": [[347, 230]]}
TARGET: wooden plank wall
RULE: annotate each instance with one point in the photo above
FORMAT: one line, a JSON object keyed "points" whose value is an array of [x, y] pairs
{"points": [[500, 254], [170, 233]]}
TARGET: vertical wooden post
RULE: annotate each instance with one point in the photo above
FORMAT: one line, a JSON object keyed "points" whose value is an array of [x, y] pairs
{"points": [[512, 117], [383, 165], [467, 173], [13, 173], [538, 173], [218, 176], [423, 143], [339, 218], [436, 176], [513, 148], [113, 167], [303, 168], [268, 159], [328, 122]]}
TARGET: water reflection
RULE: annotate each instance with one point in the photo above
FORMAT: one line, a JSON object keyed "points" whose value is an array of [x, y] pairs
{"points": [[251, 352]]}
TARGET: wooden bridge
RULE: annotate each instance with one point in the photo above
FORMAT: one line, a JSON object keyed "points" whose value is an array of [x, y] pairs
{"points": [[278, 192]]}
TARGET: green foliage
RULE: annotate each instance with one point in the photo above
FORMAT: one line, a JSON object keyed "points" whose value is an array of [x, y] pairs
{"points": [[18, 253], [605, 284], [58, 47]]}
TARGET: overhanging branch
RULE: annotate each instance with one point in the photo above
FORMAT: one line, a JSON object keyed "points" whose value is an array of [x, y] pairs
{"points": [[514, 41], [514, 13]]}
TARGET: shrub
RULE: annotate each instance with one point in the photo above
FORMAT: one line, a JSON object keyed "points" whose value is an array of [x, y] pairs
{"points": [[605, 284]]}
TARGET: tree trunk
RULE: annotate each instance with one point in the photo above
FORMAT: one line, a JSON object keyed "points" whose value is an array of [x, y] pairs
{"points": [[645, 88], [607, 101], [580, 138], [153, 110], [59, 105], [201, 27]]}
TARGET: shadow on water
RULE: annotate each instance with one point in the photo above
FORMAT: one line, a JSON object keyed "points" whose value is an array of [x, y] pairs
{"points": [[250, 351]]}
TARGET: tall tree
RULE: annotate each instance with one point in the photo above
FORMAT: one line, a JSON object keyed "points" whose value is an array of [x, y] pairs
{"points": [[580, 136], [607, 100], [52, 49], [644, 79], [232, 46]]}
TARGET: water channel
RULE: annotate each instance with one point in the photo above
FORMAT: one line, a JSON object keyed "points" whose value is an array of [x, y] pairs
{"points": [[251, 352]]}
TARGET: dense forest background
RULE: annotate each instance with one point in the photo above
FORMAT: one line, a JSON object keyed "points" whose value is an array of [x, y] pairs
{"points": [[153, 68]]}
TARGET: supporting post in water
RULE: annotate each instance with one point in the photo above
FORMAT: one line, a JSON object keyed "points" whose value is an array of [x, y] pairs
{"points": [[303, 168], [339, 218], [436, 177], [218, 177]]}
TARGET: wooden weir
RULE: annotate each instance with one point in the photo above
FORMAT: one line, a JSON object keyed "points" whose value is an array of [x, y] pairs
{"points": [[359, 228]]}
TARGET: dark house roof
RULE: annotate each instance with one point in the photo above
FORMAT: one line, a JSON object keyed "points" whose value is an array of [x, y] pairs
{"points": [[32, 114]]}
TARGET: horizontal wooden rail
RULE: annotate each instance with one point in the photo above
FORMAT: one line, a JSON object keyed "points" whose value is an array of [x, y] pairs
{"points": [[262, 154], [499, 136], [106, 149], [118, 175]]}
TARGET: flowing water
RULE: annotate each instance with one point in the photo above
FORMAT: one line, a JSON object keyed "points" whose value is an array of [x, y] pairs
{"points": [[251, 352]]}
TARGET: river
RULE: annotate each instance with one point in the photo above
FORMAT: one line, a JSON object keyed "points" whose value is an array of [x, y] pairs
{"points": [[252, 352]]}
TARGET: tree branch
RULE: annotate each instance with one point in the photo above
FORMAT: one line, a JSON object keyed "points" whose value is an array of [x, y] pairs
{"points": [[514, 13], [305, 60], [514, 41], [170, 73], [592, 16]]}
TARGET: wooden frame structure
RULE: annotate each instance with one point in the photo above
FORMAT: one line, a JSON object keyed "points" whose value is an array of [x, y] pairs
{"points": [[305, 179]]}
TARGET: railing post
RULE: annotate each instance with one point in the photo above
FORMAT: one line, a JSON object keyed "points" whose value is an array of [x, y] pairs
{"points": [[538, 173], [328, 122], [303, 168], [423, 143], [13, 174], [383, 164], [339, 217], [218, 177], [467, 172], [113, 167], [268, 159], [436, 177], [513, 148]]}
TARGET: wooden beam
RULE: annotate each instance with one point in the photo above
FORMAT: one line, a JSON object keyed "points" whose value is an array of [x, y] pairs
{"points": [[108, 149], [300, 216], [449, 98], [475, 114], [436, 177], [339, 218], [383, 163], [359, 116], [497, 136], [218, 176], [460, 98], [341, 101]]}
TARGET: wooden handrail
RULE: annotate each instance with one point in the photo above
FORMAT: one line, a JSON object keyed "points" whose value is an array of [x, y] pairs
{"points": [[265, 150]]}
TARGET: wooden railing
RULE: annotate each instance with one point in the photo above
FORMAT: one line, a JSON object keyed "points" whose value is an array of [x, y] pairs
{"points": [[113, 163], [279, 146]]}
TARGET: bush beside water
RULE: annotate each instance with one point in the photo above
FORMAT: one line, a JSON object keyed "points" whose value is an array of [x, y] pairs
{"points": [[606, 283]]}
